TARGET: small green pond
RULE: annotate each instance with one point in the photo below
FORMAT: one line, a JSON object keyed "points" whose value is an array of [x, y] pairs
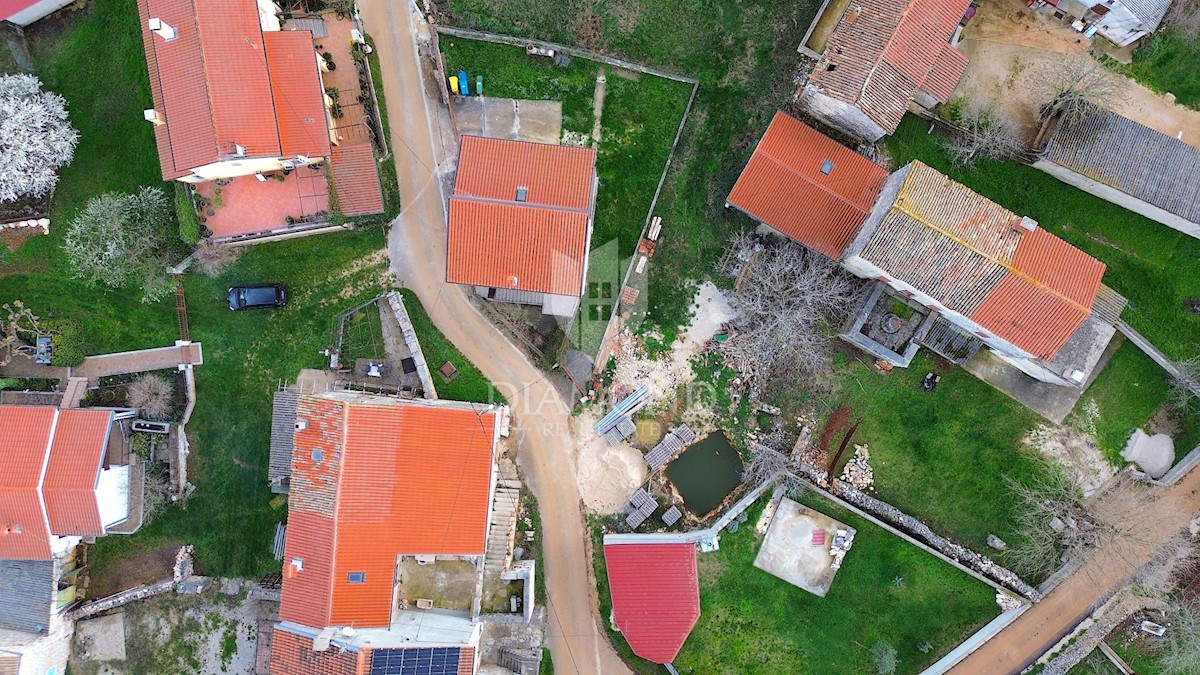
{"points": [[706, 473]]}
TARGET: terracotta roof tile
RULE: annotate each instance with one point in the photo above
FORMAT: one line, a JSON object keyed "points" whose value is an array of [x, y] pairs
{"points": [[553, 175], [29, 538], [25, 436], [785, 186], [9, 664], [504, 245], [356, 180], [655, 596], [298, 95], [410, 478], [883, 51], [292, 654]]}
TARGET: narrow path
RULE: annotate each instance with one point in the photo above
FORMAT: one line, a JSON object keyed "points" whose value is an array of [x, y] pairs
{"points": [[1167, 511], [141, 361], [542, 419], [598, 105]]}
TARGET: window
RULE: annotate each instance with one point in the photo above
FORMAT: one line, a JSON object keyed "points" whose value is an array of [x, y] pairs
{"points": [[318, 456], [826, 167], [356, 578], [522, 192]]}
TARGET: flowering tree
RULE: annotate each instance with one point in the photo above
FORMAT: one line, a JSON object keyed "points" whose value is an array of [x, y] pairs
{"points": [[121, 240], [36, 138]]}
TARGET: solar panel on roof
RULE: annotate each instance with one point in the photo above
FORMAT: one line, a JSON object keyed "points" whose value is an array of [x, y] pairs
{"points": [[416, 661]]}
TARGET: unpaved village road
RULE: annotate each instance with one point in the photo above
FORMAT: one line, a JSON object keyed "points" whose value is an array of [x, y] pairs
{"points": [[542, 419], [1167, 512]]}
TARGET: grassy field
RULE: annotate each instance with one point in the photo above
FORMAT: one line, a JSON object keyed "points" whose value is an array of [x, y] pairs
{"points": [[639, 121], [752, 622], [1154, 266], [1166, 62], [744, 55]]}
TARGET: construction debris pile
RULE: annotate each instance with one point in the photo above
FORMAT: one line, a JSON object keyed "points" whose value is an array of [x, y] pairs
{"points": [[1007, 602], [858, 472]]}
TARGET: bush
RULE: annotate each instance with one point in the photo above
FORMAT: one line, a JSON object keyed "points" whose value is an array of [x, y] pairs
{"points": [[213, 258], [885, 658], [67, 344], [189, 222], [152, 395]]}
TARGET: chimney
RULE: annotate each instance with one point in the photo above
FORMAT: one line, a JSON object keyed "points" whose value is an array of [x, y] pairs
{"points": [[10, 529], [1025, 224], [163, 29], [154, 117]]}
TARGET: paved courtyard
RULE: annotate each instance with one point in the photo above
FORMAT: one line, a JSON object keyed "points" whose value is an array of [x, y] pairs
{"points": [[797, 547]]}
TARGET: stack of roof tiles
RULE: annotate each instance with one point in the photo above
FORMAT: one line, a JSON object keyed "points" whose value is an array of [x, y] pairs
{"points": [[655, 596], [1158, 169], [373, 479], [292, 654], [807, 186], [883, 52], [221, 82], [520, 217], [975, 257]]}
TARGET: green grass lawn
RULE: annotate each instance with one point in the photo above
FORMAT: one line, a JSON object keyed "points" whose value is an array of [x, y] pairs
{"points": [[1166, 62], [1154, 266], [744, 55], [638, 122], [753, 622]]}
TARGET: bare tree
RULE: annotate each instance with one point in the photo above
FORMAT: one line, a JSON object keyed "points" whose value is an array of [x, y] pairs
{"points": [[986, 133], [788, 300], [1070, 86], [1057, 525], [1185, 387], [36, 138], [213, 258], [152, 395], [1184, 19], [1180, 651], [18, 329]]}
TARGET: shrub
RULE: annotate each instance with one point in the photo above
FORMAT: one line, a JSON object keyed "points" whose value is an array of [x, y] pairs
{"points": [[189, 222], [152, 395], [885, 658], [68, 347]]}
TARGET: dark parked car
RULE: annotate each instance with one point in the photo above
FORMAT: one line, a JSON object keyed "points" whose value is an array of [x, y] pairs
{"points": [[257, 297]]}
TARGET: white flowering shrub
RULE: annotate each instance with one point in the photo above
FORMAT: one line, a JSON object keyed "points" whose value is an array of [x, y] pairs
{"points": [[36, 138]]}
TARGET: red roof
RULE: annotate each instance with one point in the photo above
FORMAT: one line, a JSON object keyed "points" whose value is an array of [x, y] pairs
{"points": [[655, 596], [292, 654], [373, 479], [213, 87], [882, 52], [298, 95], [521, 216], [355, 180], [784, 186], [57, 453]]}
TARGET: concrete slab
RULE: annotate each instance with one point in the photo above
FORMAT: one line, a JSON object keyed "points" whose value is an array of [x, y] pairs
{"points": [[788, 551], [514, 119], [1051, 401], [101, 639]]}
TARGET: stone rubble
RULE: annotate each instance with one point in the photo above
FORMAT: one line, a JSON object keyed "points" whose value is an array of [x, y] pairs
{"points": [[858, 472]]}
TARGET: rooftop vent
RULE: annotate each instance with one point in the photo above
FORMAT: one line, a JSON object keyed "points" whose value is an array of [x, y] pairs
{"points": [[516, 280], [154, 117], [301, 424], [162, 29], [522, 192], [239, 150], [827, 167], [1025, 224], [10, 529]]}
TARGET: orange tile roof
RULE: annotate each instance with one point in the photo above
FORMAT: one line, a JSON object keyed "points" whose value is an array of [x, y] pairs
{"points": [[509, 246], [293, 654], [538, 244], [784, 186], [356, 180], [298, 94], [373, 479], [1029, 288], [554, 175], [882, 52], [212, 85], [80, 441], [58, 453]]}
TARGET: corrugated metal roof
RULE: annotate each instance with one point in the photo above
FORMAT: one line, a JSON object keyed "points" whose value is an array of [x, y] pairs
{"points": [[405, 477], [884, 51], [1029, 288], [552, 175], [356, 180], [297, 93], [655, 595], [292, 654], [1127, 156], [785, 185], [504, 245], [1151, 12]]}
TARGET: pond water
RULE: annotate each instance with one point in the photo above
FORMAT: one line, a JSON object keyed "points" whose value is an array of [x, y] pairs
{"points": [[706, 473]]}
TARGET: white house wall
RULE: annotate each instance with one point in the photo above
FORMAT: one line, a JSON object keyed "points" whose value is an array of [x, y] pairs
{"points": [[1119, 198], [38, 11], [112, 495], [245, 166]]}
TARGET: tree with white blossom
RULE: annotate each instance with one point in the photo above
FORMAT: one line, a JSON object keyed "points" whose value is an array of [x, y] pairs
{"points": [[122, 240], [36, 138]]}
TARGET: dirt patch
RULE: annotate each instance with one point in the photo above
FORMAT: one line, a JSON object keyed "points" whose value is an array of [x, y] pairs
{"points": [[1076, 451], [143, 567], [607, 474], [1166, 421], [589, 30]]}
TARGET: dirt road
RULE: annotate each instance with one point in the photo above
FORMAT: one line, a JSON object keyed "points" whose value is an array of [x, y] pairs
{"points": [[542, 420], [1166, 512]]}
